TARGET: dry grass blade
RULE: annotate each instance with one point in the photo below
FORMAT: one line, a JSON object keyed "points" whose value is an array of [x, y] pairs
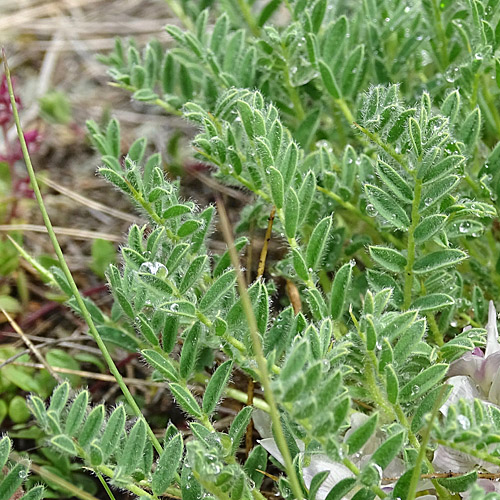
{"points": [[88, 202], [79, 234], [91, 375], [31, 346]]}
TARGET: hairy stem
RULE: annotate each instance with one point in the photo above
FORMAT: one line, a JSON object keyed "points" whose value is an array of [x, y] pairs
{"points": [[415, 218], [415, 477]]}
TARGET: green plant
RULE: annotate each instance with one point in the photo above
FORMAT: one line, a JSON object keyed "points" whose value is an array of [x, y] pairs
{"points": [[373, 136]]}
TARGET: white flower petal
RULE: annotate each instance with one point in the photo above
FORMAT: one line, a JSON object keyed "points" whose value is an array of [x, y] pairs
{"points": [[447, 459], [492, 344], [463, 388], [488, 486], [262, 423], [320, 463], [494, 393]]}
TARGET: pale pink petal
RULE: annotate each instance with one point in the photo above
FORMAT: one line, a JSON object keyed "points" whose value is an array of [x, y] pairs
{"points": [[492, 344], [469, 364], [494, 394], [489, 371], [487, 485], [447, 459]]}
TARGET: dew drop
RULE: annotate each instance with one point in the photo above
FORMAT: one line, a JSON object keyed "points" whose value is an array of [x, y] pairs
{"points": [[154, 268], [464, 422], [371, 210]]}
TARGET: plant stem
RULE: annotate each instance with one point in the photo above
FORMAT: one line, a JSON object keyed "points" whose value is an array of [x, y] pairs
{"points": [[378, 397], [249, 19], [365, 218], [386, 147], [415, 477], [242, 398], [105, 486], [64, 266], [50, 476], [415, 218], [438, 337], [441, 34], [490, 101], [355, 470], [292, 91], [178, 12], [260, 358]]}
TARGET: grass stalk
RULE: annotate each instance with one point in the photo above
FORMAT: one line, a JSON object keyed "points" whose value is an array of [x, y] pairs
{"points": [[260, 358], [64, 266]]}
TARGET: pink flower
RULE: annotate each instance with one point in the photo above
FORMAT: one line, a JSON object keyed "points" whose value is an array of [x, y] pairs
{"points": [[32, 138], [475, 375], [482, 369], [5, 106]]}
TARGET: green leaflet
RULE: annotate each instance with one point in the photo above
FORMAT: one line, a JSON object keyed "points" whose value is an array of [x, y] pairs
{"points": [[329, 81], [360, 436], [387, 207], [216, 386], [395, 182], [185, 400], [115, 427], [432, 302], [217, 290], [435, 191], [292, 210], [128, 461], [469, 131], [459, 484], [428, 227], [77, 413], [317, 243], [92, 426], [277, 189], [384, 455], [444, 167], [59, 398], [426, 406], [343, 487], [238, 427], [13, 480], [437, 260], [63, 444], [340, 289], [5, 448], [190, 350], [167, 465], [388, 258], [391, 384], [162, 364], [420, 384]]}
